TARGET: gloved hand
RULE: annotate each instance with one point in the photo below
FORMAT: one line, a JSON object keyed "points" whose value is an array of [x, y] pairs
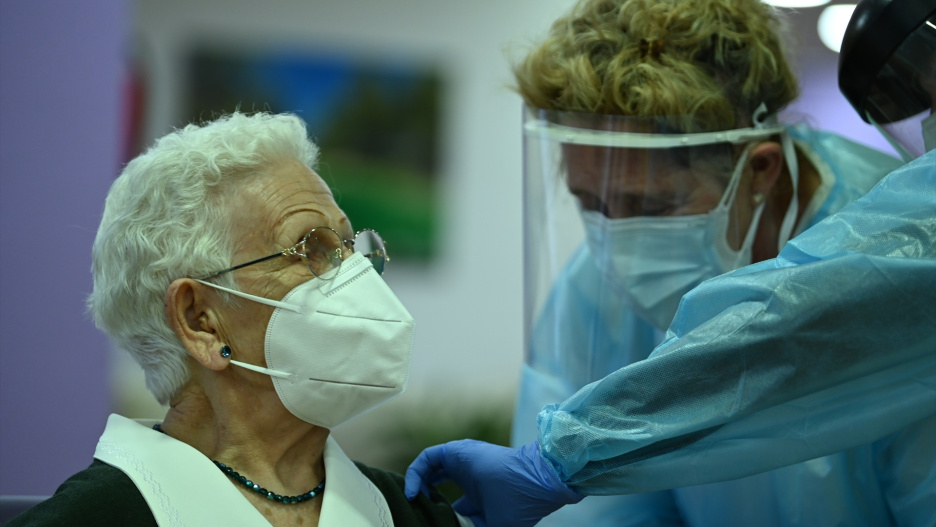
{"points": [[504, 487]]}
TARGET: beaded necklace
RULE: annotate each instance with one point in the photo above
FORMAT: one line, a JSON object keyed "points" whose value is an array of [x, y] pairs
{"points": [[287, 500]]}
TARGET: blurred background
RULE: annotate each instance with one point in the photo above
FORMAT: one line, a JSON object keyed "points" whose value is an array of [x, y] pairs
{"points": [[410, 101]]}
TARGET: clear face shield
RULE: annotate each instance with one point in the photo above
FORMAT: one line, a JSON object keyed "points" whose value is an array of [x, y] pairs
{"points": [[623, 216], [902, 98]]}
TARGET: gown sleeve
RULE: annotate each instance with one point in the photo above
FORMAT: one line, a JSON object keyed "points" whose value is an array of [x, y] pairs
{"points": [[828, 346]]}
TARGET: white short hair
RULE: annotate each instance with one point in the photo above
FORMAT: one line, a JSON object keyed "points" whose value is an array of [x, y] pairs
{"points": [[167, 217]]}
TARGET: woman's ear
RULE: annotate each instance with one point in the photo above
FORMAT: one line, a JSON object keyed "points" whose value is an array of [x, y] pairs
{"points": [[766, 162], [191, 315]]}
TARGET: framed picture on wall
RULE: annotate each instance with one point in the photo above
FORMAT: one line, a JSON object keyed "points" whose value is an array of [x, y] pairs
{"points": [[377, 123]]}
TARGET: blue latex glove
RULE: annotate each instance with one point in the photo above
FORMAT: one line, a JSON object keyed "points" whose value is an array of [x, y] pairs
{"points": [[503, 486]]}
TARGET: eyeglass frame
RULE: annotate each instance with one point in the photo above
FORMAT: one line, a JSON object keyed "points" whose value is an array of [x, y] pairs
{"points": [[293, 251]]}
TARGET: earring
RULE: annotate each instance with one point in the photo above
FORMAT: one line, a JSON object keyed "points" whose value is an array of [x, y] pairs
{"points": [[225, 351], [757, 198]]}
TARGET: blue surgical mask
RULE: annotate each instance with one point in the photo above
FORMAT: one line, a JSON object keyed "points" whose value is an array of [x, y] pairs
{"points": [[654, 261]]}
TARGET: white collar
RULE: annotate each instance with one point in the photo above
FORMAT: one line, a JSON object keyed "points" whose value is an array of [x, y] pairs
{"points": [[175, 479]]}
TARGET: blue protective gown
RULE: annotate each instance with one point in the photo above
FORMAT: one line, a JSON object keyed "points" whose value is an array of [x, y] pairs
{"points": [[826, 353]]}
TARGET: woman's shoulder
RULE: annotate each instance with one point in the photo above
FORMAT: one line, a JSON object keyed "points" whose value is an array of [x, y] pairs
{"points": [[98, 495], [432, 510]]}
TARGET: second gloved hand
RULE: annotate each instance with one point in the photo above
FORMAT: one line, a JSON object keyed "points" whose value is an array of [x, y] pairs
{"points": [[503, 486]]}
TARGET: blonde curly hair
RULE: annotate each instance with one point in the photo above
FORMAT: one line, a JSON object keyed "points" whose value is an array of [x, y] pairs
{"points": [[714, 61]]}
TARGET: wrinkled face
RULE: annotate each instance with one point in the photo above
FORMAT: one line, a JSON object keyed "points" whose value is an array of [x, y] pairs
{"points": [[274, 212], [631, 182]]}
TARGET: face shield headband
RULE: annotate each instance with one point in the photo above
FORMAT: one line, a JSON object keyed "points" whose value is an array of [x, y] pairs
{"points": [[542, 128]]}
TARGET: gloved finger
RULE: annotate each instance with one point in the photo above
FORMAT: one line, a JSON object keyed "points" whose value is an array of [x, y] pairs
{"points": [[427, 467]]}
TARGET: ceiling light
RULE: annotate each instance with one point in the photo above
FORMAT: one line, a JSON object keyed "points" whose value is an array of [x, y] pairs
{"points": [[832, 23], [797, 3]]}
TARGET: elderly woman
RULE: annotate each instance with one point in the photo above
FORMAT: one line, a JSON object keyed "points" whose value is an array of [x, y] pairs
{"points": [[225, 267]]}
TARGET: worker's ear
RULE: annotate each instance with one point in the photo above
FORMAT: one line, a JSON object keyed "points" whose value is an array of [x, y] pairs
{"points": [[766, 163], [190, 310]]}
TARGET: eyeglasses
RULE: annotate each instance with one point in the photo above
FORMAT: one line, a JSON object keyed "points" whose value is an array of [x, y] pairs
{"points": [[323, 250]]}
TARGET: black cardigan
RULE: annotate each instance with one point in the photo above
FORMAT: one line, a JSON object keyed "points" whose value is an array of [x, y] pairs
{"points": [[103, 496]]}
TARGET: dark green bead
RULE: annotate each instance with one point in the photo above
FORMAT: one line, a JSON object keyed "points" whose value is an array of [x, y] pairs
{"points": [[287, 500]]}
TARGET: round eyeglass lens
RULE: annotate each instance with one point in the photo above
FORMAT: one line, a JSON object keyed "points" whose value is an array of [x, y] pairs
{"points": [[371, 245], [323, 249]]}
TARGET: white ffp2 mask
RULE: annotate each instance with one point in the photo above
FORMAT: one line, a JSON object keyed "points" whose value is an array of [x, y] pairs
{"points": [[338, 348]]}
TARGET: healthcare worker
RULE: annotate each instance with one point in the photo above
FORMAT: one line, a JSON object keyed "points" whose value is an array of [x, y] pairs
{"points": [[827, 350]]}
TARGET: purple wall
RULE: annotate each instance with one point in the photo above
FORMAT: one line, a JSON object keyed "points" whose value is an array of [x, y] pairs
{"points": [[60, 74], [821, 104]]}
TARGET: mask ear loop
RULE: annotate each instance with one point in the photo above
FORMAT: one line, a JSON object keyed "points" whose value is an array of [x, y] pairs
{"points": [[761, 119], [258, 299], [731, 193], [267, 301], [732, 190], [789, 221], [261, 369]]}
